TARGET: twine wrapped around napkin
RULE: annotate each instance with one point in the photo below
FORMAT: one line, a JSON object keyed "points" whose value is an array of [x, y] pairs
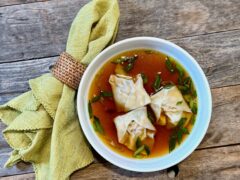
{"points": [[42, 124]]}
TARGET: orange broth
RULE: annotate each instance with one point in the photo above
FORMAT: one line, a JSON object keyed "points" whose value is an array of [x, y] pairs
{"points": [[148, 63]]}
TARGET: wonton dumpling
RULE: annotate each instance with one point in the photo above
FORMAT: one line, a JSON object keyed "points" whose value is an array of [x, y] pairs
{"points": [[172, 103], [132, 125], [128, 95]]}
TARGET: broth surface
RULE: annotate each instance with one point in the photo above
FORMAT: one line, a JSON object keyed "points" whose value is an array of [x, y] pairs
{"points": [[149, 63]]}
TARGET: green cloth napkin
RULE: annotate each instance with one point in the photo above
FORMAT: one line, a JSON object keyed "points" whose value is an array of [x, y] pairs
{"points": [[42, 124]]}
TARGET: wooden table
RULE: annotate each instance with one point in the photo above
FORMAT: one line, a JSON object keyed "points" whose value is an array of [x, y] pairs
{"points": [[34, 32]]}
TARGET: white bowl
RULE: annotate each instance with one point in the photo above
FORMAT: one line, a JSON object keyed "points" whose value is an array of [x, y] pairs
{"points": [[204, 105]]}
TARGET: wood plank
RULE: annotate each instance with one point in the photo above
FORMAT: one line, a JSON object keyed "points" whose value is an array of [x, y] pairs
{"points": [[14, 2], [8, 96], [21, 72], [39, 30], [36, 30], [217, 163], [218, 54], [224, 127]]}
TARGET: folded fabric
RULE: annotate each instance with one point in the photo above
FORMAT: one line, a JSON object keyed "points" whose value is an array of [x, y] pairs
{"points": [[42, 124]]}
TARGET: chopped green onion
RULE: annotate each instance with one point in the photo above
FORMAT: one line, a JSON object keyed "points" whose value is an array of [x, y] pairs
{"points": [[96, 98], [194, 93], [169, 65], [180, 72], [181, 122], [147, 149], [193, 106], [184, 89], [139, 156], [102, 94], [184, 130], [187, 81], [106, 94], [172, 143], [139, 150], [179, 102], [157, 83], [193, 119], [144, 77], [151, 116], [130, 60], [120, 60], [138, 143], [180, 133], [97, 125], [177, 134], [90, 109], [129, 67], [187, 97]]}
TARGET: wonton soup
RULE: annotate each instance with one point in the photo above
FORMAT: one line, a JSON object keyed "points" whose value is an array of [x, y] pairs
{"points": [[142, 104]]}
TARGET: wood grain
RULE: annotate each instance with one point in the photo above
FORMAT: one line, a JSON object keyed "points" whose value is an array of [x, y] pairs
{"points": [[37, 30], [21, 72], [5, 97], [217, 163], [224, 127], [14, 2], [218, 54]]}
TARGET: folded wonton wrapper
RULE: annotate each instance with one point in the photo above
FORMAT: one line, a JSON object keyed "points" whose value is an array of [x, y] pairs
{"points": [[128, 95], [172, 103], [132, 125]]}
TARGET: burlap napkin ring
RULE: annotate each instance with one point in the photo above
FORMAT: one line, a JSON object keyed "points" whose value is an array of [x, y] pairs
{"points": [[68, 70]]}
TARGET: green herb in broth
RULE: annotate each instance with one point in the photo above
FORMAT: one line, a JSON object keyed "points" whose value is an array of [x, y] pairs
{"points": [[121, 60], [140, 149], [179, 103], [187, 98], [130, 60], [106, 94], [184, 89], [151, 116], [138, 143], [193, 105], [176, 136], [169, 65], [96, 98], [180, 73], [128, 67], [97, 125], [157, 83], [193, 119], [147, 149], [90, 109], [102, 94], [144, 77]]}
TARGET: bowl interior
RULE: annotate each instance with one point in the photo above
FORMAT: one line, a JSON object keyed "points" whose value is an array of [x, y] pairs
{"points": [[204, 104]]}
